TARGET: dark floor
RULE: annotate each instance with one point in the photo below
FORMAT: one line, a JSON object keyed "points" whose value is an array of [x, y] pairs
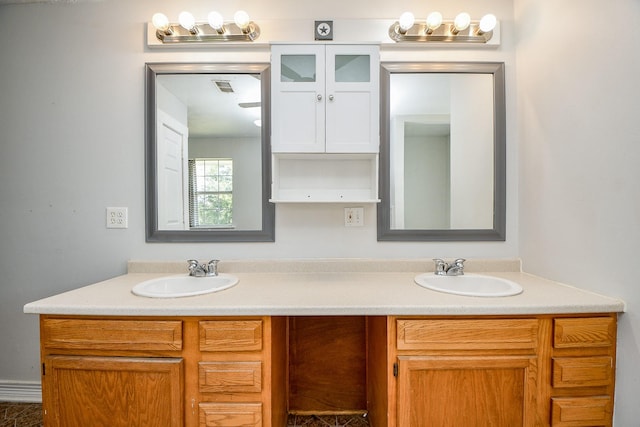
{"points": [[356, 420], [14, 414]]}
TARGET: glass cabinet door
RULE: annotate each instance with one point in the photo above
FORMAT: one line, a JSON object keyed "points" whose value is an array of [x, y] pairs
{"points": [[298, 68], [352, 111], [297, 98], [325, 98], [352, 68]]}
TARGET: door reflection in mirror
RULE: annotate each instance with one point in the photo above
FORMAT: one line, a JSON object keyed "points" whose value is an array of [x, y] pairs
{"points": [[441, 151], [205, 118]]}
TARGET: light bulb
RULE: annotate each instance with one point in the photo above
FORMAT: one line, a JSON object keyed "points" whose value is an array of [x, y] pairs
{"points": [[461, 22], [487, 23], [241, 18], [406, 21], [160, 21], [216, 21], [188, 22], [434, 20]]}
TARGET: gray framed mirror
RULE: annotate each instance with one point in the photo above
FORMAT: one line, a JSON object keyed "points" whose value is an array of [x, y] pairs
{"points": [[442, 152], [207, 153]]}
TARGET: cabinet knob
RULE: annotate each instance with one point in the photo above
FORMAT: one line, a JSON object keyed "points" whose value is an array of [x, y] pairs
{"points": [[330, 97], [319, 97]]}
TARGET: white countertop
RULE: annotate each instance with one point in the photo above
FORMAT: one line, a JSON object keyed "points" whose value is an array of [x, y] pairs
{"points": [[291, 292]]}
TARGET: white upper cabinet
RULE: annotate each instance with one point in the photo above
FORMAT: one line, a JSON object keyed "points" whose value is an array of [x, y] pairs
{"points": [[325, 98]]}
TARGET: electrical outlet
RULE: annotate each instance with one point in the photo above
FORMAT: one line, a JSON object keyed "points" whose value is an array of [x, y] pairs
{"points": [[353, 217], [117, 218]]}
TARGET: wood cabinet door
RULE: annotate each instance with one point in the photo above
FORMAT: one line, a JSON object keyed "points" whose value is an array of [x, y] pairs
{"points": [[81, 391], [466, 391]]}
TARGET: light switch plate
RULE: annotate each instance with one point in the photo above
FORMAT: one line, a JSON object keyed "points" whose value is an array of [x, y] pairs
{"points": [[353, 217], [117, 218]]}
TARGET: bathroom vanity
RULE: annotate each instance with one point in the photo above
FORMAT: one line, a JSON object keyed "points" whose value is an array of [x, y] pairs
{"points": [[328, 337]]}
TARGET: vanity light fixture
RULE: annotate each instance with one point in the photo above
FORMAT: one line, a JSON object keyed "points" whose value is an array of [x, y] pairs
{"points": [[241, 19], [434, 20], [188, 22], [462, 29], [216, 21], [161, 22], [461, 23], [188, 30], [487, 24], [405, 22]]}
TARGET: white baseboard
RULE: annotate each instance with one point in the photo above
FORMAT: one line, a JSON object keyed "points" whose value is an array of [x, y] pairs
{"points": [[20, 391]]}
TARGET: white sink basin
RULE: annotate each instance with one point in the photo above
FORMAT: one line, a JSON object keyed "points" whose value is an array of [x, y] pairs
{"points": [[183, 286], [473, 285]]}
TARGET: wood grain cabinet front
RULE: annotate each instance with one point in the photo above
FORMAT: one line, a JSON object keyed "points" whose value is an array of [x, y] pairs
{"points": [[230, 377], [111, 334], [543, 370], [163, 372], [82, 391], [525, 371], [241, 372], [466, 390], [467, 334], [583, 371], [230, 335], [584, 332], [592, 371], [230, 415], [581, 411], [467, 372], [112, 372]]}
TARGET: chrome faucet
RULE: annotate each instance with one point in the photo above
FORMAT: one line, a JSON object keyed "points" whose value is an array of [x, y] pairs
{"points": [[456, 268], [203, 270]]}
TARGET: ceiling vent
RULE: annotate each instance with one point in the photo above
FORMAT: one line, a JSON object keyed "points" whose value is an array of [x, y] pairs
{"points": [[223, 85]]}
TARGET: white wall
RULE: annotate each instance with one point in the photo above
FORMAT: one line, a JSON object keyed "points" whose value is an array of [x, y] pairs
{"points": [[578, 112], [72, 143]]}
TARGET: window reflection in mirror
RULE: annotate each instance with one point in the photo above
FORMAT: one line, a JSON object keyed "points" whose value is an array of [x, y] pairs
{"points": [[208, 153], [442, 157]]}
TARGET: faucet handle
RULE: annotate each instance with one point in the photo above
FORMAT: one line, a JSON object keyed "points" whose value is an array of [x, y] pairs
{"points": [[212, 267], [459, 262], [193, 264], [441, 266], [457, 268]]}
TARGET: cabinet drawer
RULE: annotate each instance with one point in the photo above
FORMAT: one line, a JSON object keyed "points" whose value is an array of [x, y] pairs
{"points": [[94, 334], [231, 335], [582, 371], [232, 377], [584, 332], [580, 411], [468, 334], [230, 414]]}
